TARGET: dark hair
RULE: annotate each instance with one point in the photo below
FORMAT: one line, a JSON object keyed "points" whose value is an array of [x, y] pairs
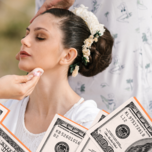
{"points": [[75, 31]]}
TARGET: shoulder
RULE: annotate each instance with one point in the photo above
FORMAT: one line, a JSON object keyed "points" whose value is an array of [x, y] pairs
{"points": [[11, 103], [14, 106], [84, 113]]}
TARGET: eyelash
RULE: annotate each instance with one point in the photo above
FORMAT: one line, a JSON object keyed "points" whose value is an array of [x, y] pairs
{"points": [[40, 38]]}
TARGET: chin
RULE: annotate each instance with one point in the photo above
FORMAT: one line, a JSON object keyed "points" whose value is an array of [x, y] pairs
{"points": [[24, 67]]}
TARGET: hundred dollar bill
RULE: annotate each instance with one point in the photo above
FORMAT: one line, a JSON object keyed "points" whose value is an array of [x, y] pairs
{"points": [[3, 112], [9, 143], [127, 129], [63, 135], [101, 115], [87, 145]]}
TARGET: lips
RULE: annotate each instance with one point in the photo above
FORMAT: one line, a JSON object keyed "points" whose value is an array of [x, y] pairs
{"points": [[24, 53]]}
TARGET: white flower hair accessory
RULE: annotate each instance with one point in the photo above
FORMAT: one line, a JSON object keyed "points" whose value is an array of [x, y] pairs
{"points": [[90, 19], [96, 30], [75, 71]]}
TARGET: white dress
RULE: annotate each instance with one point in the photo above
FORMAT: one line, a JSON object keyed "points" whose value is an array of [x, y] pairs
{"points": [[130, 73], [82, 113]]}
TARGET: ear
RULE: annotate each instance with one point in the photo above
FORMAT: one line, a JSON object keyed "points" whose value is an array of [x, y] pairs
{"points": [[68, 56]]}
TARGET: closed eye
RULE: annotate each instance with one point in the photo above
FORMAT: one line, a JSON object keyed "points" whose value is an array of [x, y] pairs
{"points": [[39, 38]]}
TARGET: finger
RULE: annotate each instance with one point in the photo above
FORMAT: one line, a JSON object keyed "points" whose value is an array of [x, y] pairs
{"points": [[41, 10], [28, 87], [32, 83], [29, 91], [64, 4], [17, 56], [23, 79], [36, 71]]}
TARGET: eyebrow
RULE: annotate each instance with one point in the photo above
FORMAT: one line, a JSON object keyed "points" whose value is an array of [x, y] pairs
{"points": [[37, 28]]}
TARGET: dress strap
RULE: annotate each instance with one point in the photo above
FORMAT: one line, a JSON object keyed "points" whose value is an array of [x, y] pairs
{"points": [[80, 101]]}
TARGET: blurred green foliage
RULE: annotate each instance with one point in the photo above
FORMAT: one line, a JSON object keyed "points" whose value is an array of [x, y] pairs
{"points": [[14, 30]]}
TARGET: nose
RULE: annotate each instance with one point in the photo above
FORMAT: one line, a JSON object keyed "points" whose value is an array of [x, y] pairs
{"points": [[25, 41]]}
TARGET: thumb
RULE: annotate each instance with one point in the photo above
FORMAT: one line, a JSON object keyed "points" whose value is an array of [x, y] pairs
{"points": [[24, 79]]}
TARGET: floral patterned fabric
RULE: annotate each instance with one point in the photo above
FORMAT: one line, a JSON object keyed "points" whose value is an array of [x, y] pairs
{"points": [[130, 73]]}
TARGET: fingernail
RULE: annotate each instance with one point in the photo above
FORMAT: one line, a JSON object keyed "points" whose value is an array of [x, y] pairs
{"points": [[38, 70], [30, 77], [38, 73], [41, 72]]}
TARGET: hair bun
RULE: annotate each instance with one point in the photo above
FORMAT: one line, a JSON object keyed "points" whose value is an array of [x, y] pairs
{"points": [[100, 57]]}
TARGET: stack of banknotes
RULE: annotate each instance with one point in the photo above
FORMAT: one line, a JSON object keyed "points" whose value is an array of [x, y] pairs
{"points": [[8, 141], [127, 129]]}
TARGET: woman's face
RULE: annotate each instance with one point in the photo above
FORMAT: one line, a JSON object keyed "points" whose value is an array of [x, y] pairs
{"points": [[43, 43]]}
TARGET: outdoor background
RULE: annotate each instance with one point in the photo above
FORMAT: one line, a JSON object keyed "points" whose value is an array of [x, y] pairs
{"points": [[15, 16]]}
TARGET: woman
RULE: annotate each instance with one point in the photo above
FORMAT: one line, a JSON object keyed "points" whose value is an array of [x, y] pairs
{"points": [[54, 41], [17, 87]]}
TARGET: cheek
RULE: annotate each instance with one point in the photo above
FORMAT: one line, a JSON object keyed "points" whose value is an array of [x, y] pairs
{"points": [[46, 61], [49, 55], [44, 56], [49, 59]]}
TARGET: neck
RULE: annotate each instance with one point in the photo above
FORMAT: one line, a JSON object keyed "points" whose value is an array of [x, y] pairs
{"points": [[52, 95]]}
